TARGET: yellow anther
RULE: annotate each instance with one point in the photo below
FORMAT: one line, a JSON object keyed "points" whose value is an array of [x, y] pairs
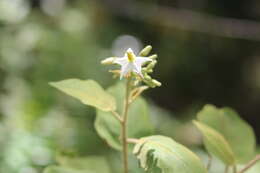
{"points": [[130, 56]]}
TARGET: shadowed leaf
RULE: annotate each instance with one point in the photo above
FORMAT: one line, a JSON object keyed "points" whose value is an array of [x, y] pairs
{"points": [[216, 144], [236, 131]]}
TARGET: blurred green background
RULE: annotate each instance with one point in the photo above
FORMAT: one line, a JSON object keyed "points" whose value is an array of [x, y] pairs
{"points": [[208, 53]]}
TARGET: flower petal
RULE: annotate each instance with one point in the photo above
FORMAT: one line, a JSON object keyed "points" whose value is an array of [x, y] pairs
{"points": [[137, 69], [140, 60], [125, 69], [121, 61]]}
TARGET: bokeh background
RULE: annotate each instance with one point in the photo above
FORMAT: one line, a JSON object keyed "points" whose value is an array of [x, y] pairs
{"points": [[209, 52]]}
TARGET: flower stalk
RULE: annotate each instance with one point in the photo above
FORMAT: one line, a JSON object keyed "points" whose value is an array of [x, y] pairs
{"points": [[124, 125]]}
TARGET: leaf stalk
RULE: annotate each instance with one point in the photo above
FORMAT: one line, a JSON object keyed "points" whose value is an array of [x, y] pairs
{"points": [[117, 116], [132, 140], [250, 164]]}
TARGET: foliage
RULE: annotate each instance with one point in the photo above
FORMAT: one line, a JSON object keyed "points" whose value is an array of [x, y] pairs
{"points": [[227, 122], [122, 118]]}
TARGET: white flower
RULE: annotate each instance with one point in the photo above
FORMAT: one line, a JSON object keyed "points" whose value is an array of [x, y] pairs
{"points": [[131, 63]]}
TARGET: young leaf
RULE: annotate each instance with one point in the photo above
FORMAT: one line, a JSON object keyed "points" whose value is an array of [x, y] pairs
{"points": [[88, 92], [236, 131], [216, 144], [139, 123], [164, 155]]}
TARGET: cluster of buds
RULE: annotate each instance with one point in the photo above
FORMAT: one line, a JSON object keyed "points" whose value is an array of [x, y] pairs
{"points": [[138, 66]]}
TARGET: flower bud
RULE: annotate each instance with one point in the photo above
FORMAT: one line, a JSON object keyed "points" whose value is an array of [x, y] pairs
{"points": [[150, 84], [147, 77], [108, 61], [151, 65], [157, 83], [154, 56], [150, 71], [145, 51]]}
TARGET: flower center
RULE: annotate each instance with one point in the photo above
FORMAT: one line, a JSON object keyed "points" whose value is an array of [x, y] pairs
{"points": [[130, 56]]}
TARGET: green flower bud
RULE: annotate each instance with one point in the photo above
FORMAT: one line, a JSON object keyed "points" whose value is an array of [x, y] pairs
{"points": [[108, 61], [151, 65], [150, 71], [157, 83], [147, 77], [145, 51], [154, 56]]}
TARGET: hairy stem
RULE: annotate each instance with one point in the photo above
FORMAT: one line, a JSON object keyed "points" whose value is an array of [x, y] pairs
{"points": [[124, 126], [250, 164]]}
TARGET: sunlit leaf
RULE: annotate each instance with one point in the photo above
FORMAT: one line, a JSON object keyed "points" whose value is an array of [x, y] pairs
{"points": [[88, 92], [236, 131], [216, 144], [160, 154], [139, 123]]}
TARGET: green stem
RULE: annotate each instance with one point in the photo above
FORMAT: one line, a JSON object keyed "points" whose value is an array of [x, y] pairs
{"points": [[124, 126]]}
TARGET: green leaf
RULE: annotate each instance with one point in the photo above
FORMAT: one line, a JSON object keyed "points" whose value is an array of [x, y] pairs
{"points": [[216, 144], [236, 131], [160, 154], [88, 92], [90, 164], [139, 123]]}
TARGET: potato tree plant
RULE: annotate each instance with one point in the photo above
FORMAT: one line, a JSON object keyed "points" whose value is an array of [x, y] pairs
{"points": [[122, 120]]}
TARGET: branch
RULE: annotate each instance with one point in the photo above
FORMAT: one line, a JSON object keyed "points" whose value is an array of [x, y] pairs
{"points": [[250, 164], [187, 20]]}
